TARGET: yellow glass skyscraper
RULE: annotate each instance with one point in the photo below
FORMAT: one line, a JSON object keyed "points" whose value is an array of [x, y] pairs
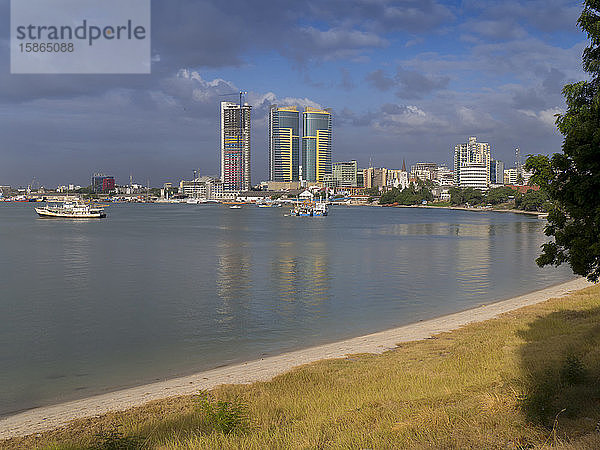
{"points": [[316, 144]]}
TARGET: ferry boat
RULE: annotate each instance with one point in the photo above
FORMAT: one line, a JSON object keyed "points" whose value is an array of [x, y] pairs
{"points": [[71, 210]]}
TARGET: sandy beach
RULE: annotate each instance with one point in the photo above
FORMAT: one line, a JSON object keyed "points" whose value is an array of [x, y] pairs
{"points": [[45, 418]]}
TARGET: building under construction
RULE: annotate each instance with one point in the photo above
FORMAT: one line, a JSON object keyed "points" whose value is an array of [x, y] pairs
{"points": [[235, 146]]}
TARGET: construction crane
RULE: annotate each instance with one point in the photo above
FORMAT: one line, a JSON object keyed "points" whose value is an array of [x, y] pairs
{"points": [[241, 94]]}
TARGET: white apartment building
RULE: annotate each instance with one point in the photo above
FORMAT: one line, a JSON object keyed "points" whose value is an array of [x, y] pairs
{"points": [[472, 164], [475, 176], [397, 178]]}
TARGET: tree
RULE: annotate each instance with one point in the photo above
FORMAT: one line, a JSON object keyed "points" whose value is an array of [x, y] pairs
{"points": [[499, 195], [572, 178], [532, 201]]}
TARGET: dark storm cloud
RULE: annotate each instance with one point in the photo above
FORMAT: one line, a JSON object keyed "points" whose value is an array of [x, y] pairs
{"points": [[384, 15], [379, 80], [413, 84], [542, 15]]}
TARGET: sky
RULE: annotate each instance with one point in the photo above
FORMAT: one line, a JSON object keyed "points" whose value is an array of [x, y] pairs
{"points": [[406, 80]]}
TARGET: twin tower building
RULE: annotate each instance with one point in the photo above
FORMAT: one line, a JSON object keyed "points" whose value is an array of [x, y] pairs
{"points": [[286, 161], [293, 156]]}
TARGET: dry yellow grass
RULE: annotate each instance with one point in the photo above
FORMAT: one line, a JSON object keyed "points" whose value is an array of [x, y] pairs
{"points": [[529, 379]]}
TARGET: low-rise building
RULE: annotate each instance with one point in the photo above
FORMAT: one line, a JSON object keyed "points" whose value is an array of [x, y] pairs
{"points": [[209, 188]]}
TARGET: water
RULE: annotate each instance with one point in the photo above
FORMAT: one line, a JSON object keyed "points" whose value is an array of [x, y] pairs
{"points": [[155, 291]]}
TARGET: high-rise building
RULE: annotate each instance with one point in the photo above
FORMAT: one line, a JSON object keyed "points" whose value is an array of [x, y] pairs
{"points": [[235, 146], [375, 177], [102, 183], [316, 144], [345, 173], [496, 172], [284, 143], [472, 164]]}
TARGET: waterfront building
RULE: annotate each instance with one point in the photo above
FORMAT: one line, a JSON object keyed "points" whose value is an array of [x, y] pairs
{"points": [[284, 143], [316, 143], [345, 173], [424, 171], [235, 146], [517, 176], [472, 164], [397, 178], [360, 179], [496, 172], [511, 175], [445, 176], [208, 188], [375, 177], [102, 184]]}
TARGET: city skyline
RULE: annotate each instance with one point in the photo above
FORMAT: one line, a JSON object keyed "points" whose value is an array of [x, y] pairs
{"points": [[403, 81]]}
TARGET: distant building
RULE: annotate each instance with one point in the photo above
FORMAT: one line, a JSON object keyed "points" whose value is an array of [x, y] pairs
{"points": [[316, 144], [496, 172], [445, 176], [208, 188], [284, 143], [397, 178], [375, 177], [472, 164], [517, 176], [345, 174], [360, 179], [511, 175], [102, 184], [424, 171], [235, 146]]}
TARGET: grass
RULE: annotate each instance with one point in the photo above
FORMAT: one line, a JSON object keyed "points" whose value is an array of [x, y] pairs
{"points": [[529, 379]]}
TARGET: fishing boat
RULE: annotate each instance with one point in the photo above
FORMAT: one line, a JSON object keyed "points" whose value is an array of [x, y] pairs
{"points": [[320, 209], [71, 210], [310, 209]]}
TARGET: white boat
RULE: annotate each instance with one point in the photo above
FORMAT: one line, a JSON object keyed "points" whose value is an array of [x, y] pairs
{"points": [[196, 201], [235, 207], [71, 210]]}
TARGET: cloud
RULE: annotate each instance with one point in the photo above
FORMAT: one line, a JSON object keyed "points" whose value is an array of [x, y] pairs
{"points": [[413, 84], [332, 44], [379, 80]]}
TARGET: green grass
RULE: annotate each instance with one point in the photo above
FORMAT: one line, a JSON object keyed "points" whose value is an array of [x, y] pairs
{"points": [[529, 379]]}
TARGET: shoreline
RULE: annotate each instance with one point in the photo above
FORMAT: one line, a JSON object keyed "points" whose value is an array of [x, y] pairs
{"points": [[50, 417]]}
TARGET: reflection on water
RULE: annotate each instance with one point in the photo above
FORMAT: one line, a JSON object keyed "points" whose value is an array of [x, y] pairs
{"points": [[159, 290]]}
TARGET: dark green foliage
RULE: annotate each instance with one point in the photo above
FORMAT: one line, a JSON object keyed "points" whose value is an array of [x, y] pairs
{"points": [[115, 440], [223, 417], [533, 201], [499, 195], [410, 196], [373, 192], [465, 196], [573, 176], [573, 371]]}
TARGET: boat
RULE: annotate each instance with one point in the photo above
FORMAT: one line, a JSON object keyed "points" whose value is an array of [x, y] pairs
{"points": [[71, 210], [235, 207], [320, 209], [196, 201], [310, 209]]}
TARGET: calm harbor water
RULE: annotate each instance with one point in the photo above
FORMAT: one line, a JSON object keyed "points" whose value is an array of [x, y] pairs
{"points": [[154, 291]]}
